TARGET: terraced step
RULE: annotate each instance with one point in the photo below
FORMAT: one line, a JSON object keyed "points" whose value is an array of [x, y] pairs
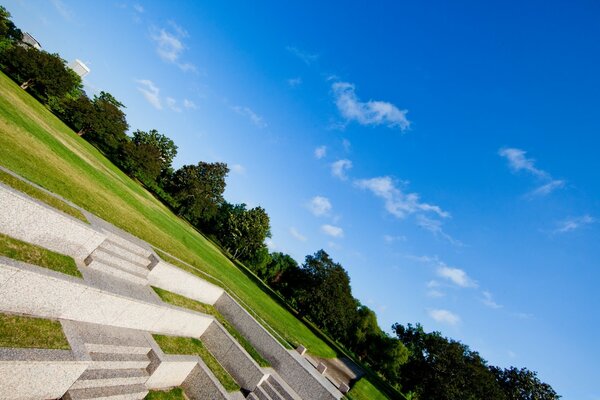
{"points": [[116, 349], [262, 394], [115, 248], [286, 392], [271, 391], [110, 377], [252, 396], [128, 245], [119, 261], [117, 272], [126, 392], [118, 361]]}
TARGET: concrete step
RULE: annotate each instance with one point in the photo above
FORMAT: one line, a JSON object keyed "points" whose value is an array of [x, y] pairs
{"points": [[117, 260], [286, 392], [123, 392], [116, 271], [110, 377], [115, 248], [116, 349], [118, 361], [262, 394], [128, 245], [252, 396], [271, 391]]}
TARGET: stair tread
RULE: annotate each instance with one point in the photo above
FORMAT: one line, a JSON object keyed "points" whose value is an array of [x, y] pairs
{"points": [[91, 374], [124, 252], [118, 357], [117, 349], [114, 259], [108, 392]]}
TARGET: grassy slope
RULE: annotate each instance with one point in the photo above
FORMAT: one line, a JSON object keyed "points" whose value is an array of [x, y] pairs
{"points": [[29, 253], [365, 390], [191, 346], [38, 146], [26, 332]]}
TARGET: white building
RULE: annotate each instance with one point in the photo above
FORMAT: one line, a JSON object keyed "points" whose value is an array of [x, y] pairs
{"points": [[29, 40], [79, 67]]}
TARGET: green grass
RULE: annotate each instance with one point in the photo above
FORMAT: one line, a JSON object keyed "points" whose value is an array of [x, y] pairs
{"points": [[27, 332], [173, 394], [39, 147], [32, 254], [40, 195], [191, 346], [182, 301], [365, 390]]}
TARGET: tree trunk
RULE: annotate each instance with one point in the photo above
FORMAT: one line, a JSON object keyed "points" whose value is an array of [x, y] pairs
{"points": [[26, 84]]}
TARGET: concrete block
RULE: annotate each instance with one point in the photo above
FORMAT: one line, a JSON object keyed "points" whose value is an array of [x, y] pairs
{"points": [[301, 350], [170, 373], [201, 384], [344, 388], [321, 368]]}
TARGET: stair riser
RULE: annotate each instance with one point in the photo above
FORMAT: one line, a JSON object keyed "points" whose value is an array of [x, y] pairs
{"points": [[126, 244], [127, 396], [280, 389], [261, 394], [126, 265], [112, 349], [82, 384], [98, 266], [271, 391], [118, 364], [125, 253]]}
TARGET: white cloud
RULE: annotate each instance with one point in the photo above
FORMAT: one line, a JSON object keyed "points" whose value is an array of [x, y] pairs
{"points": [[238, 169], [138, 8], [247, 112], [518, 161], [455, 275], [339, 168], [320, 152], [294, 82], [62, 9], [189, 105], [435, 226], [150, 92], [573, 223], [170, 46], [444, 316], [319, 206], [389, 239], [172, 104], [306, 57], [398, 203], [333, 231], [488, 300], [270, 244], [346, 145], [297, 235], [367, 113]]}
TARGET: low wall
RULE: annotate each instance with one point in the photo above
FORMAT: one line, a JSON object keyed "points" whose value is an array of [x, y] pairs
{"points": [[27, 374], [201, 384], [36, 291], [167, 370], [174, 279], [296, 372], [31, 221], [240, 365]]}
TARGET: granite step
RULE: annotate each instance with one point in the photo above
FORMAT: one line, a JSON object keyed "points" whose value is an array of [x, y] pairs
{"points": [[282, 388], [122, 392], [115, 248], [118, 361], [119, 261], [115, 271], [116, 349], [129, 245], [262, 394], [110, 377], [271, 391], [252, 396]]}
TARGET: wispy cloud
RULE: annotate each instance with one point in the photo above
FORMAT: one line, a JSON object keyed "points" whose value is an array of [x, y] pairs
{"points": [[488, 300], [151, 92], [320, 152], [518, 161], [397, 202], [189, 105], [138, 8], [270, 244], [247, 112], [444, 316], [319, 206], [297, 235], [333, 231], [389, 239], [456, 276], [294, 82], [371, 113], [346, 145], [62, 9], [238, 169], [573, 223], [172, 104], [306, 57], [433, 289], [435, 226], [339, 168], [170, 46]]}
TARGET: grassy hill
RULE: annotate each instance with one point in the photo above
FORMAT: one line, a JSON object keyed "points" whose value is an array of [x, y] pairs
{"points": [[38, 146]]}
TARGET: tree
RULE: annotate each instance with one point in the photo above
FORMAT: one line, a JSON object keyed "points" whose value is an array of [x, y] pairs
{"points": [[8, 30], [199, 190], [243, 232], [277, 266], [45, 75], [166, 147], [366, 330], [522, 384]]}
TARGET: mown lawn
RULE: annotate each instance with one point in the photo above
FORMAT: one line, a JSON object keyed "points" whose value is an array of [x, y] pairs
{"points": [[32, 254], [182, 301], [26, 332], [191, 346], [173, 394], [365, 390], [39, 147]]}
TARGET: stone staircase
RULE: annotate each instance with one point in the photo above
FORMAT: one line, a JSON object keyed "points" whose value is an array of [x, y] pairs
{"points": [[122, 260], [273, 389], [119, 362]]}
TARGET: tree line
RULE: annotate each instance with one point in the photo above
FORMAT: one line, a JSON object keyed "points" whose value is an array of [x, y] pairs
{"points": [[424, 365]]}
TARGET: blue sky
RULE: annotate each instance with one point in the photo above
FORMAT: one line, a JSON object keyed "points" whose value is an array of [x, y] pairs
{"points": [[445, 154]]}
